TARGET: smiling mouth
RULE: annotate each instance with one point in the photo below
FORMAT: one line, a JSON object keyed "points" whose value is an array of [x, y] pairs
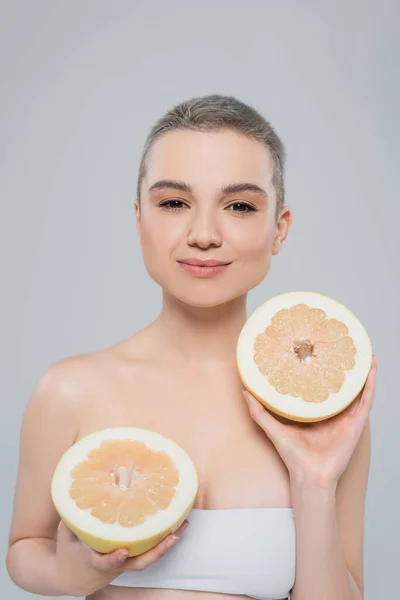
{"points": [[204, 270], [205, 263]]}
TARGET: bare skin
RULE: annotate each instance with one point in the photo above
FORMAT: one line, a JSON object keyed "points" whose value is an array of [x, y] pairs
{"points": [[177, 376], [179, 397]]}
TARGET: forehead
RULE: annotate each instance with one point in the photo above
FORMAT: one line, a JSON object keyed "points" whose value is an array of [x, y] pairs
{"points": [[206, 159]]}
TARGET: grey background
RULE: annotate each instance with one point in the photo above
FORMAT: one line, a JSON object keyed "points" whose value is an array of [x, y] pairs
{"points": [[81, 84]]}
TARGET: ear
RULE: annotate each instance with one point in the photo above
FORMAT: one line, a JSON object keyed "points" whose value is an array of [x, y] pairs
{"points": [[282, 229], [137, 216]]}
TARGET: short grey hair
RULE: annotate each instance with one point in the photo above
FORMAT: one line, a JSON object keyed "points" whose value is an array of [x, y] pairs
{"points": [[217, 112]]}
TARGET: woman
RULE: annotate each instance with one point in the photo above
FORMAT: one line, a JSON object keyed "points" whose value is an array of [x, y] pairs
{"points": [[280, 507]]}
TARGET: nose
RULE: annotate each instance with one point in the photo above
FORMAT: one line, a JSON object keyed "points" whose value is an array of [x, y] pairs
{"points": [[204, 230]]}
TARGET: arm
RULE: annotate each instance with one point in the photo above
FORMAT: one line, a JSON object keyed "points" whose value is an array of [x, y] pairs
{"points": [[49, 427], [330, 532], [31, 564], [44, 556]]}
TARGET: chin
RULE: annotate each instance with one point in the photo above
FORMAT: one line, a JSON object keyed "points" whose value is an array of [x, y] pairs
{"points": [[205, 293], [206, 298], [197, 302]]}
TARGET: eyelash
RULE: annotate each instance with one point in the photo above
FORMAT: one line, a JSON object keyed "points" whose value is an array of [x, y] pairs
{"points": [[249, 208]]}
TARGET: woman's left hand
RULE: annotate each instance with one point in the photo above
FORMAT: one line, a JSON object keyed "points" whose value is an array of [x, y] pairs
{"points": [[318, 452]]}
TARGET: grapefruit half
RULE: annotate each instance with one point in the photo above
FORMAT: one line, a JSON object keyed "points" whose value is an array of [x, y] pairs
{"points": [[124, 487], [304, 356]]}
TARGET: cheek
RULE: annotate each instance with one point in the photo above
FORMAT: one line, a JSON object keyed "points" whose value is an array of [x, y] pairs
{"points": [[255, 253], [158, 243], [256, 249], [158, 238], [256, 243]]}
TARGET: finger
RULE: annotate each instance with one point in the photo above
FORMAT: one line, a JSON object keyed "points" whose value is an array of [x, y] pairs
{"points": [[369, 391], [265, 420], [108, 562], [139, 563], [64, 532], [363, 404]]}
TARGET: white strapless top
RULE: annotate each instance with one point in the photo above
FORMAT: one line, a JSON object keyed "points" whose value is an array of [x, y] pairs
{"points": [[248, 551]]}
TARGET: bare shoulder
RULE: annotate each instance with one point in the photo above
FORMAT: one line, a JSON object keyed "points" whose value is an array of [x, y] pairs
{"points": [[71, 395], [67, 381], [64, 392], [78, 386], [50, 426], [62, 384], [132, 359]]}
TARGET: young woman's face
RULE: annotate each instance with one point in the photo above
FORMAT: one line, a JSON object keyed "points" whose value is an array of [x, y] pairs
{"points": [[201, 219]]}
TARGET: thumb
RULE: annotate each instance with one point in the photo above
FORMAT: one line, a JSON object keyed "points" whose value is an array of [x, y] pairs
{"points": [[65, 533], [117, 559], [262, 417], [109, 562]]}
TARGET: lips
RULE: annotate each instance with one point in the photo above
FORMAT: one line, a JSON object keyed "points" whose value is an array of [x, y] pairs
{"points": [[206, 268], [203, 263]]}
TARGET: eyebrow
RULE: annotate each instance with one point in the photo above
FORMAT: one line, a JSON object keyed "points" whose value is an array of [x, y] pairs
{"points": [[233, 188]]}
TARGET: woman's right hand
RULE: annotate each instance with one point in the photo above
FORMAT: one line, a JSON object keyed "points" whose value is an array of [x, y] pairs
{"points": [[84, 571]]}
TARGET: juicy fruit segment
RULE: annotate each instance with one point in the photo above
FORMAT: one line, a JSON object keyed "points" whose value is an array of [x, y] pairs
{"points": [[124, 481], [304, 356], [124, 488], [303, 353]]}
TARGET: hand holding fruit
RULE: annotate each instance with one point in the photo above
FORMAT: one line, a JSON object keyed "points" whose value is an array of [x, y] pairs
{"points": [[85, 571], [318, 452]]}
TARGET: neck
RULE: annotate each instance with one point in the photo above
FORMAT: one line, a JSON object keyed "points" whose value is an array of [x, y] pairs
{"points": [[206, 336]]}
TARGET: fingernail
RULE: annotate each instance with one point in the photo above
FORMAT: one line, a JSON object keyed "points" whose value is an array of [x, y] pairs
{"points": [[177, 534], [247, 398], [181, 528], [123, 555], [171, 541], [251, 402]]}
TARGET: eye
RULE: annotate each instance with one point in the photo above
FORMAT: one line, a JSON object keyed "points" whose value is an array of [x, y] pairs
{"points": [[172, 205], [243, 207]]}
